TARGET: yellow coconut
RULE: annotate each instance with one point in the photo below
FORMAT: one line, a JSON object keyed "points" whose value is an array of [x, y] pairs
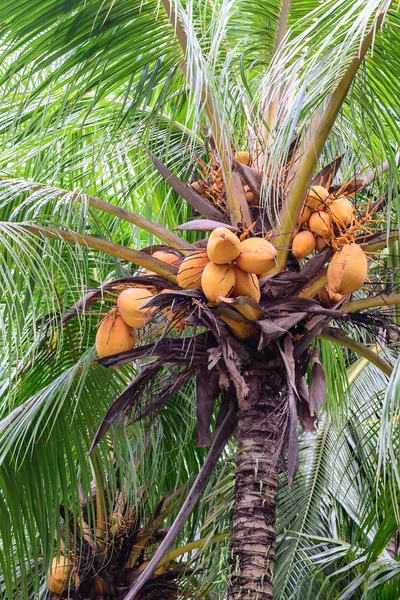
{"points": [[174, 316], [168, 257], [347, 270], [196, 185], [243, 158], [250, 197], [114, 336], [342, 212], [130, 303], [329, 298], [59, 574], [101, 586], [217, 280], [239, 329], [321, 243], [305, 214], [245, 307], [303, 244], [320, 223], [246, 284], [191, 270], [256, 256], [316, 197], [223, 246]]}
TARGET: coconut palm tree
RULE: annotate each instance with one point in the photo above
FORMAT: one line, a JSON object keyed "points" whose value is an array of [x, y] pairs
{"points": [[271, 112]]}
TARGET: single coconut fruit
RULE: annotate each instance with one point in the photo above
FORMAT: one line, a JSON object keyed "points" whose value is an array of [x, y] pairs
{"points": [[256, 256], [174, 316], [342, 212], [168, 257], [130, 303], [321, 243], [305, 214], [316, 197], [246, 284], [321, 223], [100, 585], [59, 574], [329, 298], [240, 330], [347, 270], [243, 158], [223, 246], [114, 336], [303, 244], [250, 197], [245, 307], [217, 280], [191, 270], [196, 185]]}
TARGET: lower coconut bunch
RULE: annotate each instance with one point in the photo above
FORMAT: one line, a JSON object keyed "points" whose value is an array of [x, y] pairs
{"points": [[109, 555]]}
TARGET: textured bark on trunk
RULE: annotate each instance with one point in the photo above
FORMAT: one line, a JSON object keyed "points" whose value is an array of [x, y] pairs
{"points": [[259, 432]]}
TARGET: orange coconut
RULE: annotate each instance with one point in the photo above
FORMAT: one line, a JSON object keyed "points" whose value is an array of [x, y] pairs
{"points": [[316, 197], [239, 329], [305, 214], [320, 223], [130, 303], [223, 246], [303, 244], [174, 316], [243, 158], [256, 256], [250, 197], [196, 185], [347, 270], [329, 298], [246, 284], [59, 574], [342, 212], [191, 270], [321, 243], [168, 257], [217, 280], [114, 336], [100, 585]]}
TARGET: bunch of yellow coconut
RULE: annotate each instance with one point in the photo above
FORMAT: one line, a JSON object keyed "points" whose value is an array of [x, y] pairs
{"points": [[118, 331], [321, 220], [229, 268], [214, 186], [60, 574]]}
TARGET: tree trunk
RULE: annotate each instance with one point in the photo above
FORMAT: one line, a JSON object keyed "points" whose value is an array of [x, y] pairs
{"points": [[259, 436]]}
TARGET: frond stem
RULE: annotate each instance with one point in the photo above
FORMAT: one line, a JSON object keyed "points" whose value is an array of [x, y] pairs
{"points": [[271, 110], [170, 556], [375, 301], [235, 196], [134, 256], [337, 336], [161, 232]]}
